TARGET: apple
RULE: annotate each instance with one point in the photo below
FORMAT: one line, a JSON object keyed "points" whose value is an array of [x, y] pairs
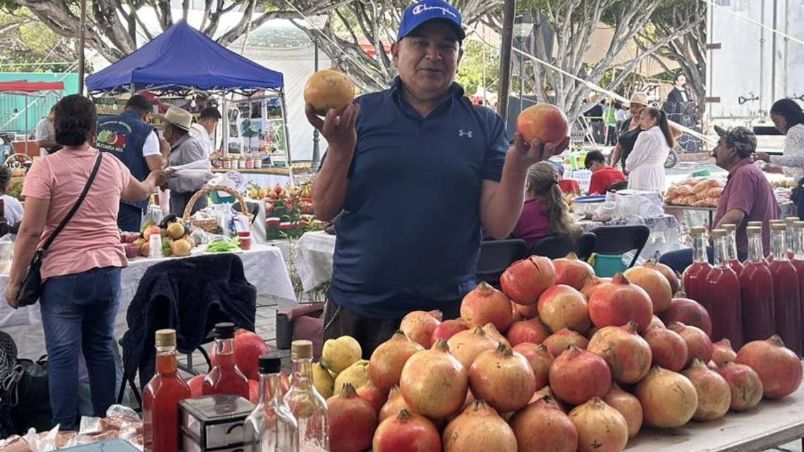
{"points": [[544, 122]]}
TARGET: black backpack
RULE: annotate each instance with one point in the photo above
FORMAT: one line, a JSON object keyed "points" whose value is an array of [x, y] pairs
{"points": [[22, 379]]}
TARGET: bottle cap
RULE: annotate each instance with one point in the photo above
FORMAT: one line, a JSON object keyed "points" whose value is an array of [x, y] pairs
{"points": [[165, 338], [791, 220], [224, 330], [772, 222], [270, 364], [301, 349], [754, 230], [755, 223], [798, 224], [716, 233], [778, 226], [698, 229], [729, 227]]}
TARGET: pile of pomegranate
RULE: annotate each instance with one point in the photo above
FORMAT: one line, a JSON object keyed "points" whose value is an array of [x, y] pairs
{"points": [[558, 360]]}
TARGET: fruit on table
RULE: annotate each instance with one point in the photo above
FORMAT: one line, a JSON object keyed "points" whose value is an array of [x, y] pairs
{"points": [[248, 347], [777, 366], [502, 378], [543, 427], [562, 306], [479, 427], [328, 89], [668, 349], [563, 339], [420, 325], [323, 381], [351, 421], [600, 427], [153, 229], [746, 387], [619, 302], [723, 353], [406, 431], [180, 247], [175, 230], [543, 122], [698, 343], [539, 359], [449, 328], [572, 271], [654, 283], [373, 395], [434, 383], [338, 354], [689, 312], [627, 405], [466, 345], [668, 399], [627, 353], [714, 394], [388, 359], [578, 375], [356, 375], [485, 304], [526, 279]]}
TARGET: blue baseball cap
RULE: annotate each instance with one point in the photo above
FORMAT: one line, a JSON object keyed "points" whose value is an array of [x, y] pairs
{"points": [[427, 10]]}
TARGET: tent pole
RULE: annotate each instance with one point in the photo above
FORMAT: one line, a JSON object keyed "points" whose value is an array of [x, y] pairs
{"points": [[287, 137]]}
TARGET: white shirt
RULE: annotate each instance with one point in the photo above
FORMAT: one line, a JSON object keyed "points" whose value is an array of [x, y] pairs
{"points": [[12, 209], [44, 132], [621, 115], [201, 135], [792, 158], [645, 164], [151, 145]]}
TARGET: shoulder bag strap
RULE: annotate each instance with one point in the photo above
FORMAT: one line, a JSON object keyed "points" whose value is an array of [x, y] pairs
{"points": [[77, 204]]}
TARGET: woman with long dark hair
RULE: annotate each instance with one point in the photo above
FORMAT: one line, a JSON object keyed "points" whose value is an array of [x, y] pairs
{"points": [[81, 269], [788, 118], [645, 164], [545, 212]]}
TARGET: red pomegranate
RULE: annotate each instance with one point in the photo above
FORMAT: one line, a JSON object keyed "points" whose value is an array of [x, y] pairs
{"points": [[254, 391], [419, 326], [248, 347], [434, 383], [539, 359], [778, 367], [600, 427], [564, 339], [526, 279], [698, 343], [714, 394], [689, 312], [492, 332], [526, 311], [479, 427], [578, 375], [327, 89], [406, 432], [668, 399], [485, 304], [656, 322], [196, 383], [628, 405], [626, 353], [667, 272], [592, 284], [393, 405], [388, 359], [543, 427], [619, 302], [668, 348], [654, 283], [502, 378], [572, 271], [449, 328], [466, 345], [543, 122], [722, 352], [351, 421], [533, 331], [564, 307], [373, 395], [746, 387]]}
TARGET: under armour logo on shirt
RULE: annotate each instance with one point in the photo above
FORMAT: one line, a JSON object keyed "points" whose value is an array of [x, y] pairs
{"points": [[465, 133]]}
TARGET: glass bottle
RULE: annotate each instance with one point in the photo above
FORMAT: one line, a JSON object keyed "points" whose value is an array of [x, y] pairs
{"points": [[787, 307], [271, 427], [725, 308], [791, 223], [694, 276], [798, 262], [225, 377], [306, 404], [160, 400], [769, 257], [731, 250], [756, 290]]}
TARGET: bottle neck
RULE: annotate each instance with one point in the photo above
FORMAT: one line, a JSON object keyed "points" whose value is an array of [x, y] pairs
{"points": [[302, 372], [224, 348], [699, 248], [755, 253], [778, 245], [166, 361], [732, 246], [721, 250], [270, 388], [797, 243]]}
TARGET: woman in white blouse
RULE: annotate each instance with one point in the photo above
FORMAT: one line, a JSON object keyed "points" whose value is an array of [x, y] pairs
{"points": [[788, 118], [645, 164]]}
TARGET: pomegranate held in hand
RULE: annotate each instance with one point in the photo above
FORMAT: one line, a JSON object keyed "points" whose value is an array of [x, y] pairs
{"points": [[479, 427], [539, 359], [746, 387], [543, 122], [626, 353], [600, 427], [627, 405], [578, 375], [668, 399], [327, 89], [434, 383], [388, 359], [351, 421], [526, 279], [777, 366], [524, 331], [449, 328], [563, 339], [714, 394], [502, 378], [543, 427], [485, 304], [406, 432], [689, 312], [420, 325], [572, 271], [668, 348], [654, 283], [564, 307]]}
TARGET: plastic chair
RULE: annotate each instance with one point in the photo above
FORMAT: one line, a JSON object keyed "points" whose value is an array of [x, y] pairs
{"points": [[552, 246], [620, 240], [586, 242], [496, 256]]}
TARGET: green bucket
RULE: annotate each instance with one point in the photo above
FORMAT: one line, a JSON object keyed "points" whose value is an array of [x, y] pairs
{"points": [[607, 265]]}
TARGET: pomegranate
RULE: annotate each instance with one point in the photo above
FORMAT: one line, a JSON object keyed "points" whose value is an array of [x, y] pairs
{"points": [[494, 333], [406, 432], [539, 359], [387, 360], [654, 283], [668, 399], [778, 367], [248, 347], [526, 311], [502, 378], [667, 272], [656, 322], [466, 345], [592, 284], [563, 339], [373, 395], [479, 427], [723, 353], [433, 382], [572, 271], [449, 328], [564, 307], [698, 343], [746, 387], [600, 427], [394, 405], [196, 383], [578, 375], [485, 304], [619, 302], [628, 406], [533, 331], [526, 279], [626, 353], [543, 427], [689, 312], [327, 89], [668, 348], [714, 394], [254, 391], [543, 122], [419, 326], [351, 421]]}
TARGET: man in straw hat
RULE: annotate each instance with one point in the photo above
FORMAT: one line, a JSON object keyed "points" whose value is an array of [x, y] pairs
{"points": [[629, 129], [184, 149]]}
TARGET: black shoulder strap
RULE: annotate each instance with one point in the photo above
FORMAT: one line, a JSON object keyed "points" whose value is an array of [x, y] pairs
{"points": [[77, 204]]}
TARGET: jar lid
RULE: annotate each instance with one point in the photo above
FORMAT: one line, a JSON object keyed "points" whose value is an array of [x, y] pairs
{"points": [[798, 224], [778, 226], [791, 220], [729, 227], [755, 223], [165, 338], [301, 349], [698, 229], [716, 233], [754, 230], [224, 330]]}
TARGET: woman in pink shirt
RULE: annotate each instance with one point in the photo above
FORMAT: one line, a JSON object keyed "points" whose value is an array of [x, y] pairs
{"points": [[545, 212], [81, 269]]}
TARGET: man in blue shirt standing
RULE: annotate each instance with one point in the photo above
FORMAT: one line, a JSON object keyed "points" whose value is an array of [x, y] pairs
{"points": [[415, 171]]}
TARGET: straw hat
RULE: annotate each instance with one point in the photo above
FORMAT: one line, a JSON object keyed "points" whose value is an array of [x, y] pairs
{"points": [[179, 117], [639, 98]]}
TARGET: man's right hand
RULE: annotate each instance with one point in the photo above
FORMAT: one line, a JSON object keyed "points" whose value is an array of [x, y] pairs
{"points": [[338, 130]]}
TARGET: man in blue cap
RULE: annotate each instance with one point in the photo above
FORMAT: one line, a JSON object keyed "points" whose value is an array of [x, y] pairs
{"points": [[415, 171]]}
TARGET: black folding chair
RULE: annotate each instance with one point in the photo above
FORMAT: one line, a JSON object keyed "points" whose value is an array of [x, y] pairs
{"points": [[620, 240], [586, 242], [496, 256], [553, 246]]}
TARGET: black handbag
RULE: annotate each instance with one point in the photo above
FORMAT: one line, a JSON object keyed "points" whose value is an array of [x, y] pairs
{"points": [[31, 286]]}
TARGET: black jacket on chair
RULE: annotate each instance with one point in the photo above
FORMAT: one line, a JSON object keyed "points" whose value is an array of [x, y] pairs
{"points": [[189, 295]]}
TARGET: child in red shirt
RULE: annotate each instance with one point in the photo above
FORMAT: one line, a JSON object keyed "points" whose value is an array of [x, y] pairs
{"points": [[603, 176]]}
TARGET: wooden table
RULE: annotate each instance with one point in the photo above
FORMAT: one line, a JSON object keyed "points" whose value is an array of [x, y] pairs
{"points": [[769, 424]]}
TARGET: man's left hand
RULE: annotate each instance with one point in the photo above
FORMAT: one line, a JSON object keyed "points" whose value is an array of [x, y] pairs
{"points": [[774, 169], [534, 152], [11, 295]]}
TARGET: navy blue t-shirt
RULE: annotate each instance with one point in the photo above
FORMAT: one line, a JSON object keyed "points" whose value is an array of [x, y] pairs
{"points": [[409, 234]]}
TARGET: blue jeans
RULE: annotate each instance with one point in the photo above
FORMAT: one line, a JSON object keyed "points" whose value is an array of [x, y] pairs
{"points": [[78, 311]]}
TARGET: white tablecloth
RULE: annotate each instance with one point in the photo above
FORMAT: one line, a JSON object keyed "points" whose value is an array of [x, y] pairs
{"points": [[264, 268], [314, 258]]}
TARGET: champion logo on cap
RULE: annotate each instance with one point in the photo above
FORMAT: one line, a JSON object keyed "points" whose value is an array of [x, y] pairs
{"points": [[426, 10], [421, 8]]}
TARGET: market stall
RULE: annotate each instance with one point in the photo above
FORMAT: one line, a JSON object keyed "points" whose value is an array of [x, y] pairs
{"points": [[26, 89]]}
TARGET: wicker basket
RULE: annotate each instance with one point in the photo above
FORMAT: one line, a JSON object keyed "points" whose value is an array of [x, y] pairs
{"points": [[211, 225]]}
